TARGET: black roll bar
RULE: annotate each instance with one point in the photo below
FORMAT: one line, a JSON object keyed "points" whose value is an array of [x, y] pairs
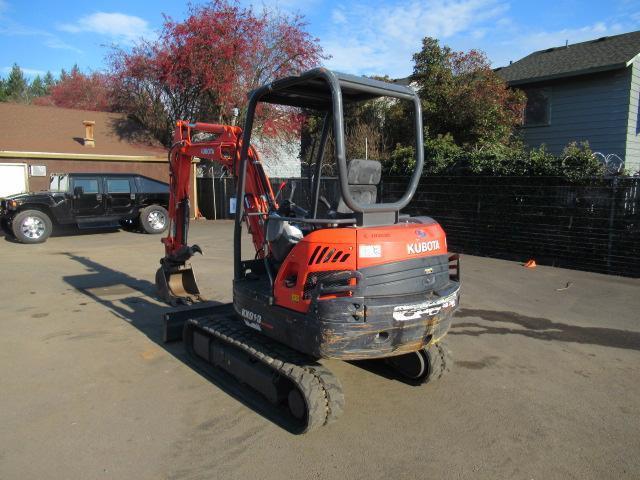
{"points": [[340, 85]]}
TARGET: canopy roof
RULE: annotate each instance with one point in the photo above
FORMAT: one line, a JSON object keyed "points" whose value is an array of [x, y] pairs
{"points": [[313, 89]]}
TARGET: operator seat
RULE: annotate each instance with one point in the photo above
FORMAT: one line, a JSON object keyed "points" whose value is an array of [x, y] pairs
{"points": [[282, 237], [363, 177]]}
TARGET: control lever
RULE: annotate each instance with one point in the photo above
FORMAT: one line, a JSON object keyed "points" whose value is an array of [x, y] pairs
{"points": [[325, 201], [280, 188], [293, 190]]}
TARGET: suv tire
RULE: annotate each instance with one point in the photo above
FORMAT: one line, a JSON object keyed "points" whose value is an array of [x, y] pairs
{"points": [[6, 227], [154, 219], [31, 226], [131, 225]]}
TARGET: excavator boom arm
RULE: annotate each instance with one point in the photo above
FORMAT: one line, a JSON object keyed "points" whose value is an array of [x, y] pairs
{"points": [[224, 148]]}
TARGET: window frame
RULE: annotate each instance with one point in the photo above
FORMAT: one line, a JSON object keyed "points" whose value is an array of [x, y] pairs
{"points": [[547, 93]]}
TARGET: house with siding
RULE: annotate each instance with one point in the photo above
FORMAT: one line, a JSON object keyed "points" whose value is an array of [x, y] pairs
{"points": [[585, 91]]}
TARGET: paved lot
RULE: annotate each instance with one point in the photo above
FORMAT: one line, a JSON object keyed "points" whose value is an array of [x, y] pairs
{"points": [[545, 385]]}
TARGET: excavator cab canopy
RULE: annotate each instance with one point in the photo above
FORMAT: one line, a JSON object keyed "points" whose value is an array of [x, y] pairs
{"points": [[328, 92], [315, 90]]}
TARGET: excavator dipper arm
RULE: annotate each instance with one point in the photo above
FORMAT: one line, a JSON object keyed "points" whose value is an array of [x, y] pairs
{"points": [[175, 279]]}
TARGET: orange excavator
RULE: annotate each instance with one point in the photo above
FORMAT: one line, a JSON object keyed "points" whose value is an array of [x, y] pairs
{"points": [[361, 281]]}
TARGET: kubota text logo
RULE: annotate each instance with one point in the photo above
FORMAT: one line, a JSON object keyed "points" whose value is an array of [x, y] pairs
{"points": [[421, 247]]}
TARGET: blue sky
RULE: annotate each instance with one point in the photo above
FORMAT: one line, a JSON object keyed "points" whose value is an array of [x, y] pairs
{"points": [[362, 36]]}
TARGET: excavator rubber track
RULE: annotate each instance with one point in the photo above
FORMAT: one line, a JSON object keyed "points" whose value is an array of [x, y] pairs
{"points": [[224, 342]]}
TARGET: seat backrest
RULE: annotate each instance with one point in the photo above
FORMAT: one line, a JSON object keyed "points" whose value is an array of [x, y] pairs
{"points": [[363, 177], [282, 237]]}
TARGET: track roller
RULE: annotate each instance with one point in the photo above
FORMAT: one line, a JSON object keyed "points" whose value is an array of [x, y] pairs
{"points": [[309, 394], [423, 366]]}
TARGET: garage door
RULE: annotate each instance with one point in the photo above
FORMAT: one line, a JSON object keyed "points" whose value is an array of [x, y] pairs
{"points": [[13, 178]]}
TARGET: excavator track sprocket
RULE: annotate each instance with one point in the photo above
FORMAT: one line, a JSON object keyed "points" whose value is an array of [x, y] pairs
{"points": [[284, 376]]}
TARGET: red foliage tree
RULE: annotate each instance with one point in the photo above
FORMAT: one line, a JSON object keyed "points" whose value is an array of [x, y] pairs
{"points": [[77, 90], [462, 96], [203, 67]]}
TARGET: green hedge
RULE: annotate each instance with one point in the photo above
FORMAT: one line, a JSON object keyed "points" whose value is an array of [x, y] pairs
{"points": [[444, 157]]}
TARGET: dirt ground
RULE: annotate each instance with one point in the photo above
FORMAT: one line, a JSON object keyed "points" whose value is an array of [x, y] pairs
{"points": [[545, 382]]}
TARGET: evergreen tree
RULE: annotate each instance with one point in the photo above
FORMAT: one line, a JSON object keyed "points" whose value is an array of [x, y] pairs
{"points": [[3, 90], [48, 82], [17, 87], [37, 88]]}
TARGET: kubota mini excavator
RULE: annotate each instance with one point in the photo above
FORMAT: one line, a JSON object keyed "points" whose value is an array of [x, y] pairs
{"points": [[360, 282]]}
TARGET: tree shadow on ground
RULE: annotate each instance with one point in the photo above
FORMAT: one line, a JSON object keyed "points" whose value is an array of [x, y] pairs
{"points": [[542, 329], [130, 299]]}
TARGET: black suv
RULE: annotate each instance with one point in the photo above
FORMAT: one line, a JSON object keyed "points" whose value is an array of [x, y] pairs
{"points": [[87, 200]]}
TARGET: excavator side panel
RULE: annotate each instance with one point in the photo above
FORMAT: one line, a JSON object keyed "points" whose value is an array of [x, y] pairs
{"points": [[322, 254]]}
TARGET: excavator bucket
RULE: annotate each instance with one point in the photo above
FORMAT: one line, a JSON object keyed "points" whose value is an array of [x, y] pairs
{"points": [[178, 285]]}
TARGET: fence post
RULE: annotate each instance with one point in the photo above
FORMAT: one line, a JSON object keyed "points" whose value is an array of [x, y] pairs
{"points": [[225, 203], [612, 215], [213, 188]]}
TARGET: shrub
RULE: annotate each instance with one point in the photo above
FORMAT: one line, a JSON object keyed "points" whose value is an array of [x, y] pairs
{"points": [[444, 157], [402, 161], [441, 154], [578, 162]]}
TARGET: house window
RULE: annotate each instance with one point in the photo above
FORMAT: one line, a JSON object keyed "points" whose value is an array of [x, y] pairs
{"points": [[536, 113]]}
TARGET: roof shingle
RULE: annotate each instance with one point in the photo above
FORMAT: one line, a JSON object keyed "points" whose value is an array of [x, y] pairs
{"points": [[32, 128], [602, 54]]}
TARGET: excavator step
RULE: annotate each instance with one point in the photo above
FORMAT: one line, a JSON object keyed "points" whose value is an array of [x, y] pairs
{"points": [[293, 383]]}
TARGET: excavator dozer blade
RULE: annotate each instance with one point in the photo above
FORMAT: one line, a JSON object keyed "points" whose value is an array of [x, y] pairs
{"points": [[178, 285]]}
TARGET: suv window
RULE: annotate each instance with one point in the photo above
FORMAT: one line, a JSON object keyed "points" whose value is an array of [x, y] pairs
{"points": [[118, 185], [147, 185], [89, 185], [59, 183]]}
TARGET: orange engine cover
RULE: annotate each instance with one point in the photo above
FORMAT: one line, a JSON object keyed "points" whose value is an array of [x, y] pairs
{"points": [[334, 249]]}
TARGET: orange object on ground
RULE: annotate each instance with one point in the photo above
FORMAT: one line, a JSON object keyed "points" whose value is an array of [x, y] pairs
{"points": [[530, 264]]}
